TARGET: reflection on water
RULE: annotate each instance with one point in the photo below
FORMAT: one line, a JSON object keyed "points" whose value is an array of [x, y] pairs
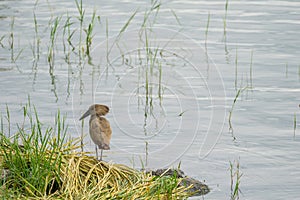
{"points": [[170, 72]]}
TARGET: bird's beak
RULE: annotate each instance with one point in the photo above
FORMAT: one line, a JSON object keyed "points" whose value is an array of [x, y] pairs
{"points": [[87, 113]]}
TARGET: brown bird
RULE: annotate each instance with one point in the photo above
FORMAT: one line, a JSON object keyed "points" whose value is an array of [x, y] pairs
{"points": [[100, 130]]}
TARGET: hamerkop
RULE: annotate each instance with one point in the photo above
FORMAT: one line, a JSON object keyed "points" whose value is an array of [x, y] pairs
{"points": [[100, 130]]}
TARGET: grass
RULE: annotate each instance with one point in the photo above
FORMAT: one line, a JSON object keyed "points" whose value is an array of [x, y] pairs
{"points": [[224, 19], [235, 179], [236, 68], [295, 124], [74, 42], [37, 40], [11, 43], [152, 66], [8, 120], [239, 92], [89, 37], [11, 39], [206, 30], [122, 30], [81, 13], [32, 158], [51, 48], [40, 163], [106, 36], [152, 12], [67, 39], [176, 17], [224, 28], [251, 70]]}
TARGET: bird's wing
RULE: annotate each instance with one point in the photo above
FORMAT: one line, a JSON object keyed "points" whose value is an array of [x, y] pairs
{"points": [[105, 130], [95, 131]]}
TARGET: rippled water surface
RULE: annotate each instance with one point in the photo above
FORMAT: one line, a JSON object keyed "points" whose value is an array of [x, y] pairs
{"points": [[170, 81]]}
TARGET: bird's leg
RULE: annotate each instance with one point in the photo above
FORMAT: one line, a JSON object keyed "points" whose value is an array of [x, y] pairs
{"points": [[96, 152], [101, 154]]}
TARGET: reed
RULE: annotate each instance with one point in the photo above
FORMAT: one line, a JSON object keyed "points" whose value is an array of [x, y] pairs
{"points": [[295, 124], [235, 179], [11, 42], [176, 17], [8, 119], [51, 48], [11, 39], [81, 13], [155, 6], [125, 26], [51, 52], [251, 70], [151, 64], [67, 37], [206, 30], [160, 96], [239, 92], [236, 69], [115, 42], [89, 37], [37, 40], [225, 19], [107, 36]]}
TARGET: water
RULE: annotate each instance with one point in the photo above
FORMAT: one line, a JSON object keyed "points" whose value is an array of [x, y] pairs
{"points": [[186, 115]]}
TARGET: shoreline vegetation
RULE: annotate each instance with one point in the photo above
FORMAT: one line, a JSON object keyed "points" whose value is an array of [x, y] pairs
{"points": [[41, 163]]}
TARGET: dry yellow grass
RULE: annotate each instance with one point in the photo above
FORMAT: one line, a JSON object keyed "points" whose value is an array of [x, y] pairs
{"points": [[79, 176]]}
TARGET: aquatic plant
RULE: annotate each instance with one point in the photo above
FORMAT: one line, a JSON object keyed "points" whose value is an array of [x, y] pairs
{"points": [[206, 30], [176, 17], [89, 37], [235, 179], [11, 39], [68, 46], [236, 68], [11, 43], [295, 124], [81, 13], [51, 48], [251, 70], [35, 48], [224, 19], [241, 90]]}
